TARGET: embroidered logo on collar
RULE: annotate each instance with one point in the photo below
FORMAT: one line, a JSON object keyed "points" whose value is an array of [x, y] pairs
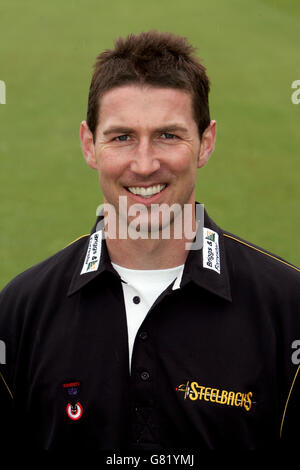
{"points": [[211, 251], [194, 391], [92, 258]]}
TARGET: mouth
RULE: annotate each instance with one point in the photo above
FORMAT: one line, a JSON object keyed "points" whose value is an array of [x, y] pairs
{"points": [[146, 192]]}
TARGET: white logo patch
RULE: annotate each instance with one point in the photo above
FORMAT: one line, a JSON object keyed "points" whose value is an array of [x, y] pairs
{"points": [[93, 253], [211, 252]]}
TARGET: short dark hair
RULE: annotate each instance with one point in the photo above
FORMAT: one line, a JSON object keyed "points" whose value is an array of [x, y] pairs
{"points": [[151, 58]]}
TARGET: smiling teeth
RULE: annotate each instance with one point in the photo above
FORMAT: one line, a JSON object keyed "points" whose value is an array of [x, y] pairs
{"points": [[147, 192]]}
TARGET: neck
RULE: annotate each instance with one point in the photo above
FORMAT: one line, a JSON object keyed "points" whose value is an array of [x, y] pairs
{"points": [[147, 254], [150, 253]]}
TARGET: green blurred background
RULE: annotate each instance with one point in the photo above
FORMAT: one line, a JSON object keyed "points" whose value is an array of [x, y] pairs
{"points": [[47, 49]]}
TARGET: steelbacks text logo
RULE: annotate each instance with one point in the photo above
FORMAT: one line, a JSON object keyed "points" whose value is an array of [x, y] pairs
{"points": [[194, 391]]}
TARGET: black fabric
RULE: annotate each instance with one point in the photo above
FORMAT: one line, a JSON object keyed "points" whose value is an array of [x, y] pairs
{"points": [[212, 368]]}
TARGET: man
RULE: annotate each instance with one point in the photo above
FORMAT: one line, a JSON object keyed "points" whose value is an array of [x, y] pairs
{"points": [[158, 330]]}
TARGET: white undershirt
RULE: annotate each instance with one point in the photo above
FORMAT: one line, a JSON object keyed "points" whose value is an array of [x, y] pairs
{"points": [[147, 284]]}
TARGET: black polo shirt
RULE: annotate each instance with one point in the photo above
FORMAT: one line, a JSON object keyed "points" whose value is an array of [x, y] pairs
{"points": [[213, 363]]}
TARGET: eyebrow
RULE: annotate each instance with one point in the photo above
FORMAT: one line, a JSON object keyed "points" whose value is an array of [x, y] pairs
{"points": [[117, 130], [172, 128], [128, 130]]}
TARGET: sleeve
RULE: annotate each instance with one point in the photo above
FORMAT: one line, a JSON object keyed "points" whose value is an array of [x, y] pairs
{"points": [[290, 425], [290, 330], [6, 413], [9, 339]]}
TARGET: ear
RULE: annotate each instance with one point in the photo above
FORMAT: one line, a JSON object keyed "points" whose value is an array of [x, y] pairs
{"points": [[87, 145], [207, 144]]}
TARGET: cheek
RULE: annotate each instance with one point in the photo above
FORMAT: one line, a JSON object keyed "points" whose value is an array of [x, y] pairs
{"points": [[110, 165], [184, 163]]}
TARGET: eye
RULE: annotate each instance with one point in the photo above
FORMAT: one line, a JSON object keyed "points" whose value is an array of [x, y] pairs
{"points": [[122, 138], [169, 136]]}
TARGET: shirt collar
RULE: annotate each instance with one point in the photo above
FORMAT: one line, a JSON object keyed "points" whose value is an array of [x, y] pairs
{"points": [[194, 270], [217, 283]]}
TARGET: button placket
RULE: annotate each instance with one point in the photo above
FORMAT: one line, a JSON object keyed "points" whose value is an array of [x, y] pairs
{"points": [[145, 375], [143, 335]]}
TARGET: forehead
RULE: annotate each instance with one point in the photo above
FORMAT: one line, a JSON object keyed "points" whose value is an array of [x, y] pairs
{"points": [[145, 105]]}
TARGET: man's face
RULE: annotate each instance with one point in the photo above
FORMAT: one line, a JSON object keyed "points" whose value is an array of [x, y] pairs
{"points": [[147, 146]]}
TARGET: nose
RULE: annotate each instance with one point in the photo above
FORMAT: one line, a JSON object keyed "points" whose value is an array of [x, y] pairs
{"points": [[145, 161]]}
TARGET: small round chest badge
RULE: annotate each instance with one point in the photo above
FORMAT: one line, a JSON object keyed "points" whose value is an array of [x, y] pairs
{"points": [[74, 411]]}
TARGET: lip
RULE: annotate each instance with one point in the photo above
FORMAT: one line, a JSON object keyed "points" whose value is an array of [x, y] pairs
{"points": [[143, 200]]}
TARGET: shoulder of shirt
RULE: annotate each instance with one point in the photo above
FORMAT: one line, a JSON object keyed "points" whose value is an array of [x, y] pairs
{"points": [[259, 257], [60, 264]]}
